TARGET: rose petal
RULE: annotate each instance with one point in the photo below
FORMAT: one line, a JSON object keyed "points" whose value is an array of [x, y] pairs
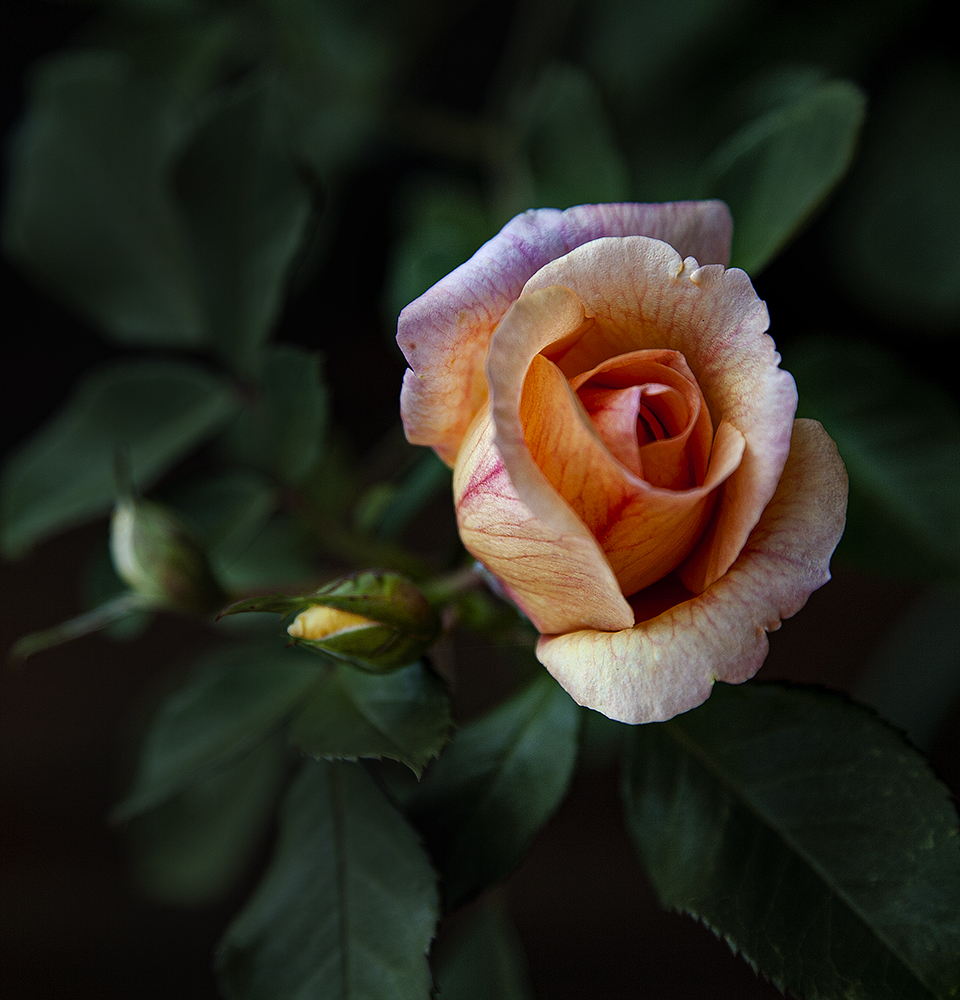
{"points": [[614, 414], [444, 334], [676, 454], [560, 579], [643, 530], [641, 295], [668, 664]]}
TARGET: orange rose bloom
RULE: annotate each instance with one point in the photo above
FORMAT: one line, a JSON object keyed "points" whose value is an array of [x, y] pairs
{"points": [[626, 459]]}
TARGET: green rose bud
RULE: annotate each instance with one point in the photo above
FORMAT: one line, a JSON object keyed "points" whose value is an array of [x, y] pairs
{"points": [[155, 554], [376, 619]]}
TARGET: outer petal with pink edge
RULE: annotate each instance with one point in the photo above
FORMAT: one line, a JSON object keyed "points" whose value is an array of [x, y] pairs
{"points": [[668, 664], [444, 334]]}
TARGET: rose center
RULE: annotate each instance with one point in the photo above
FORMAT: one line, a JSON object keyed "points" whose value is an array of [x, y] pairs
{"points": [[648, 413]]}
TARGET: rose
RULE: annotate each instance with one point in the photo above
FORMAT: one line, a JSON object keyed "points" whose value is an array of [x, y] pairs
{"points": [[626, 458]]}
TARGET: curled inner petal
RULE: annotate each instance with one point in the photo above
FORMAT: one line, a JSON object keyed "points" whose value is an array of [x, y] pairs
{"points": [[644, 530], [615, 414], [640, 294], [670, 428]]}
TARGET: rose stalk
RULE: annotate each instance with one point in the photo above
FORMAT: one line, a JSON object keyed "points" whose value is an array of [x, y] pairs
{"points": [[626, 459]]}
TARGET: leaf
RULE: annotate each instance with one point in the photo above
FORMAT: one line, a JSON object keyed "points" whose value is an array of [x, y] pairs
{"points": [[180, 42], [335, 62], [480, 807], [279, 556], [913, 679], [899, 435], [897, 230], [192, 849], [90, 211], [282, 432], [482, 958], [101, 585], [403, 715], [443, 222], [112, 612], [152, 413], [634, 45], [808, 834], [348, 906], [389, 507], [227, 510], [246, 208], [233, 700], [568, 143], [775, 171]]}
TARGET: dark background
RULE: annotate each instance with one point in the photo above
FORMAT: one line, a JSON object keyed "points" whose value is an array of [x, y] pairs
{"points": [[73, 926]]}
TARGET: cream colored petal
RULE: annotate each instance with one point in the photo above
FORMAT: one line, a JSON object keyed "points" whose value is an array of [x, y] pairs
{"points": [[559, 579], [668, 665], [445, 332], [641, 295]]}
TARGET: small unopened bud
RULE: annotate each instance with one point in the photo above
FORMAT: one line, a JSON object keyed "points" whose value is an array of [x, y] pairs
{"points": [[320, 622], [159, 559], [376, 619]]}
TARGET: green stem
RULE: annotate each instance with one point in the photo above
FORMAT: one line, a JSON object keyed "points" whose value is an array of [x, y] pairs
{"points": [[444, 589], [92, 621]]}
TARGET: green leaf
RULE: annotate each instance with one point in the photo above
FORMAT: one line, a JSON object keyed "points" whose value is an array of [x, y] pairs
{"points": [[334, 63], [899, 435], [348, 906], [776, 170], [568, 144], [634, 45], [152, 413], [246, 208], [191, 849], [182, 42], [482, 958], [388, 508], [496, 785], [897, 230], [90, 211], [403, 715], [442, 223], [101, 585], [227, 510], [233, 700], [112, 612], [282, 432], [279, 556], [913, 679], [810, 835]]}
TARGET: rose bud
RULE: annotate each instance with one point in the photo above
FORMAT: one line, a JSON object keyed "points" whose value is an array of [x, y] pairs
{"points": [[626, 459], [376, 619], [159, 559]]}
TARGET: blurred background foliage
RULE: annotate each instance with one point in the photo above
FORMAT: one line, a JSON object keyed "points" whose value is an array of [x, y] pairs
{"points": [[215, 210]]}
